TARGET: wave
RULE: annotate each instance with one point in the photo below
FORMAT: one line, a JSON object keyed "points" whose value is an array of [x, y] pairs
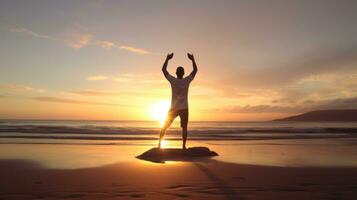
{"points": [[90, 132], [137, 130]]}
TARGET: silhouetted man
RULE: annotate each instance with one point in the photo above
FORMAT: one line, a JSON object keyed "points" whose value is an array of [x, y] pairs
{"points": [[179, 100]]}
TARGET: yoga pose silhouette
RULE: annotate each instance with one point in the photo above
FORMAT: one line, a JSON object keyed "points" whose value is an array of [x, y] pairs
{"points": [[179, 100]]}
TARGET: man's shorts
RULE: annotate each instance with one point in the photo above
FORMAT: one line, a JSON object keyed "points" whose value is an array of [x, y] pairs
{"points": [[172, 114]]}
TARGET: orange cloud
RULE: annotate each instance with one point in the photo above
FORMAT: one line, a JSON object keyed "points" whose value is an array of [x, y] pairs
{"points": [[97, 78], [94, 93], [134, 50], [20, 87], [105, 44], [70, 101], [81, 42]]}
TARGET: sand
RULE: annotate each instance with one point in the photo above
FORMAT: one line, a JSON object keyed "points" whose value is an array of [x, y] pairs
{"points": [[210, 179]]}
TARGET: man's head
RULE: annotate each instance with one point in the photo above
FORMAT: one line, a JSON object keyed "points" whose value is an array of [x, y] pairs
{"points": [[180, 71]]}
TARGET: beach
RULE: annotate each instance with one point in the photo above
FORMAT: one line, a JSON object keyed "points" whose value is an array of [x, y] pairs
{"points": [[194, 180], [174, 100], [255, 161]]}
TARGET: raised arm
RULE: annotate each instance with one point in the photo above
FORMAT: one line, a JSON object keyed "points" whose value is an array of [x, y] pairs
{"points": [[194, 65], [164, 67]]}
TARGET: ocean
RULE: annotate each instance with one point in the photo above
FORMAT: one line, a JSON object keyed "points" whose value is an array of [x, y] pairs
{"points": [[82, 144], [57, 131]]}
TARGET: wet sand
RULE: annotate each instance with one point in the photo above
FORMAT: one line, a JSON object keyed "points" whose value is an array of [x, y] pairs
{"points": [[204, 180]]}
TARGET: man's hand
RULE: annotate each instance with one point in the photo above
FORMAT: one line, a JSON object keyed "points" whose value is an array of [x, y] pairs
{"points": [[164, 67], [190, 56], [194, 71], [169, 56]]}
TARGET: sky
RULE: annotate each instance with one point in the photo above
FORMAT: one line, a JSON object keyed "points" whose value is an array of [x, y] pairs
{"points": [[101, 60]]}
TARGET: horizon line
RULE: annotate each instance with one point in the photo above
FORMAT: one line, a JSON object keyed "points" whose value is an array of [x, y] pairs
{"points": [[114, 120]]}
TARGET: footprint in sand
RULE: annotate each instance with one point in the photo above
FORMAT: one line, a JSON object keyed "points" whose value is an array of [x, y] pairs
{"points": [[74, 196], [179, 186], [182, 195], [137, 195]]}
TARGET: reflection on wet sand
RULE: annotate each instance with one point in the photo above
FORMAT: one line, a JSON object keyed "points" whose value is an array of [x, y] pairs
{"points": [[314, 152]]}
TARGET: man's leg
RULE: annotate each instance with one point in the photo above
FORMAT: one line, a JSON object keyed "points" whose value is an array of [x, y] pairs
{"points": [[184, 121], [171, 115], [184, 137], [162, 133]]}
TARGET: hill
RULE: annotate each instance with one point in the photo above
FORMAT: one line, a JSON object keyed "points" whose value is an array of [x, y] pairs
{"points": [[324, 115]]}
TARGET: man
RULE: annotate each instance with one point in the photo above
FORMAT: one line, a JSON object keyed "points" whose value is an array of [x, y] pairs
{"points": [[179, 91]]}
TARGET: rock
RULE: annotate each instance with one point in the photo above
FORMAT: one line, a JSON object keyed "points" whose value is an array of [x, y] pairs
{"points": [[172, 154]]}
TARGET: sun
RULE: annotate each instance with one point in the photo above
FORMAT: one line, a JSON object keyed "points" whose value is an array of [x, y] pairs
{"points": [[158, 111]]}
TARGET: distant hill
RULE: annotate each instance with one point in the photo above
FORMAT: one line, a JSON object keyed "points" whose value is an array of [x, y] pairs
{"points": [[325, 115]]}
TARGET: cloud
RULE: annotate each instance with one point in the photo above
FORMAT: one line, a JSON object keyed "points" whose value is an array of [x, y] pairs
{"points": [[122, 79], [70, 101], [94, 93], [319, 87], [30, 33], [96, 78], [340, 103], [134, 79], [105, 44], [260, 109], [78, 41], [20, 87], [134, 49], [316, 76], [321, 61], [88, 39], [81, 42], [125, 78], [122, 93]]}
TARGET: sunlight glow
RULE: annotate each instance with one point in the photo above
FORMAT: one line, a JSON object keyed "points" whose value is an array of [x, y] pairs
{"points": [[164, 143], [158, 110]]}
